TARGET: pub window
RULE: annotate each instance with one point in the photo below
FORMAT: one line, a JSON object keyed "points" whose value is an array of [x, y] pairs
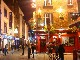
{"points": [[5, 12], [47, 2], [70, 2], [68, 41]]}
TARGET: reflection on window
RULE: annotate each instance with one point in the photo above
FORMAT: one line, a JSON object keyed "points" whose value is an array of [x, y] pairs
{"points": [[68, 41], [47, 2]]}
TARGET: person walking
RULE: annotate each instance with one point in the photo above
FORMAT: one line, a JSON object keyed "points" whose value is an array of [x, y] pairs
{"points": [[29, 51], [61, 51], [33, 48], [12, 49], [56, 49], [5, 50], [23, 49]]}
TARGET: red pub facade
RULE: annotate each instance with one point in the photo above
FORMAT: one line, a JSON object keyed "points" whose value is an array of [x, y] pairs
{"points": [[71, 40]]}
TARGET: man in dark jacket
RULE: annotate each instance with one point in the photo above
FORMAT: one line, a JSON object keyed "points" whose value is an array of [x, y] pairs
{"points": [[61, 51], [29, 52], [23, 49], [33, 47]]}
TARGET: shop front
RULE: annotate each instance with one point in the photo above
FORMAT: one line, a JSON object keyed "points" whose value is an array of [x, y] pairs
{"points": [[41, 43], [68, 39]]}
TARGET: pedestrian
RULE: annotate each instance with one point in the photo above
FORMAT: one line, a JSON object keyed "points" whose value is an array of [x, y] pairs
{"points": [[29, 51], [23, 49], [5, 50], [33, 48], [56, 49], [12, 49], [61, 51]]}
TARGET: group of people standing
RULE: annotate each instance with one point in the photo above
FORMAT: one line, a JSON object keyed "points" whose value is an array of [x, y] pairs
{"points": [[59, 50]]}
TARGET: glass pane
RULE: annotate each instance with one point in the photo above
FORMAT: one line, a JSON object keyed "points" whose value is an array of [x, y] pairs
{"points": [[68, 41]]}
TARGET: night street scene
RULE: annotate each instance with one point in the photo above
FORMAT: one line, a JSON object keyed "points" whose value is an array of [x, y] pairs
{"points": [[39, 29]]}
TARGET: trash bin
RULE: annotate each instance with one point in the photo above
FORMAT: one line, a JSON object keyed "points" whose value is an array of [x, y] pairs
{"points": [[78, 55], [74, 54]]}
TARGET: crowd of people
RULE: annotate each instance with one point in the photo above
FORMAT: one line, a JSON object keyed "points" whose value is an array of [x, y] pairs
{"points": [[58, 49]]}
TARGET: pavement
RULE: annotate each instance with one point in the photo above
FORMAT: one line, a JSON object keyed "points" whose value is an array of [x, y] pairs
{"points": [[17, 55]]}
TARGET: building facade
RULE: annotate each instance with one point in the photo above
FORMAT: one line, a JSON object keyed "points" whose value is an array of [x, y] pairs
{"points": [[13, 25], [55, 16], [57, 13]]}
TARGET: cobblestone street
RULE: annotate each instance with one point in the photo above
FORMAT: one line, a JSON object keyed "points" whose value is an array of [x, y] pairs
{"points": [[39, 56]]}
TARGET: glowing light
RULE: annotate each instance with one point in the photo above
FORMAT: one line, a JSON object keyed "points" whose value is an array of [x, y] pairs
{"points": [[42, 24], [16, 30], [33, 0], [54, 37], [39, 11], [60, 10], [33, 5], [73, 14]]}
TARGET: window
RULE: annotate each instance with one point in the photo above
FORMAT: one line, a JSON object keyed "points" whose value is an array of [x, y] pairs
{"points": [[5, 12], [47, 2], [69, 2], [69, 15], [10, 19], [5, 27], [48, 19], [68, 41]]}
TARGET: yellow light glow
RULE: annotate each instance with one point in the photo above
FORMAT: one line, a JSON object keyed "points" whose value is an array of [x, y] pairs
{"points": [[60, 10], [42, 24], [39, 11], [33, 0], [16, 30]]}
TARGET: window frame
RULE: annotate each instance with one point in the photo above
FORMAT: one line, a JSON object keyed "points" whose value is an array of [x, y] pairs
{"points": [[5, 12], [48, 16], [47, 2], [70, 2]]}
